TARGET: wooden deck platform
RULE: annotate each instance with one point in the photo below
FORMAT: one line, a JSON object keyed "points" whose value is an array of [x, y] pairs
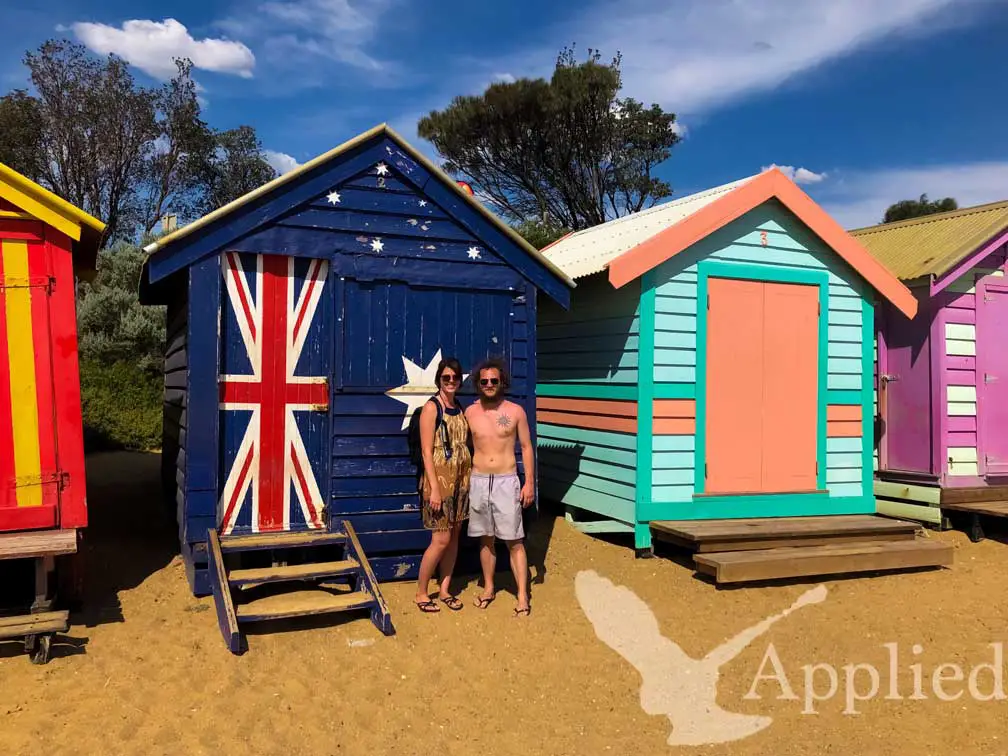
{"points": [[746, 550], [31, 544]]}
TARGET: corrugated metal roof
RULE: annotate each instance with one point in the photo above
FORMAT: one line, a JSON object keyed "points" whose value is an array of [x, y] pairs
{"points": [[933, 244], [591, 250]]}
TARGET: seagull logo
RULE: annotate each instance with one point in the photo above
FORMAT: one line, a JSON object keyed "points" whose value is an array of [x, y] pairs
{"points": [[682, 688]]}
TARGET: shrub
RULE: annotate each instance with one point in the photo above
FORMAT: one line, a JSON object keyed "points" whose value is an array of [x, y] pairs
{"points": [[122, 406]]}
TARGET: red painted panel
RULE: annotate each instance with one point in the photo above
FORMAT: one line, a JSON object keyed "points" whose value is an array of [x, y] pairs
{"points": [[67, 399], [790, 387], [39, 269], [992, 376], [7, 472], [734, 409]]}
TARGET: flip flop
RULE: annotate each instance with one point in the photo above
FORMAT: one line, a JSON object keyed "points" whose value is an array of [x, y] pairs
{"points": [[526, 611], [452, 603], [483, 602], [428, 607]]}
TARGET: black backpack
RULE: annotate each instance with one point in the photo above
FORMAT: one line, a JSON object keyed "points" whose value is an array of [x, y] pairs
{"points": [[415, 448]]}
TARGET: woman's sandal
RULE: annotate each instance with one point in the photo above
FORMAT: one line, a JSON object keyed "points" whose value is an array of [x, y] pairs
{"points": [[428, 607], [452, 603], [526, 611], [483, 602]]}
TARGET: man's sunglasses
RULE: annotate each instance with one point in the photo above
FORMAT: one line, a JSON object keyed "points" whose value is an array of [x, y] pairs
{"points": [[489, 381]]}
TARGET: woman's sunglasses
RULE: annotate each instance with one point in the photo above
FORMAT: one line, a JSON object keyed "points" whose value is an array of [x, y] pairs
{"points": [[449, 378]]}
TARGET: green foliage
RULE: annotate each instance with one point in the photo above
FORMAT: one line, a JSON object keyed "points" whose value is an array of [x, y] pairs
{"points": [[125, 153], [122, 406], [112, 324], [916, 208], [540, 234], [568, 152]]}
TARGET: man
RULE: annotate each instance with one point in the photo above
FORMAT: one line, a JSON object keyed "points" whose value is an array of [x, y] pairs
{"points": [[496, 495]]}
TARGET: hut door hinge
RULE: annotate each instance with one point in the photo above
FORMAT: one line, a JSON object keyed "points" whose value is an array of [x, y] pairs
{"points": [[518, 299]]}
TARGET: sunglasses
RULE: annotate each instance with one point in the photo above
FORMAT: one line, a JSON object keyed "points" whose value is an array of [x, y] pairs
{"points": [[489, 381], [449, 378]]}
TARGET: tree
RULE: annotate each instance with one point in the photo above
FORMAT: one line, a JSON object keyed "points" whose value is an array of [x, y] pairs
{"points": [[540, 234], [237, 167], [568, 153], [112, 323], [905, 209], [125, 153]]}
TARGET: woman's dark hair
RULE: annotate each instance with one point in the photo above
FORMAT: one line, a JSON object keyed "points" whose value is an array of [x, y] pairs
{"points": [[493, 363], [448, 362]]}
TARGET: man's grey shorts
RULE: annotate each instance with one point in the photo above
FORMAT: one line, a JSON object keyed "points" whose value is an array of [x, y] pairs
{"points": [[495, 506]]}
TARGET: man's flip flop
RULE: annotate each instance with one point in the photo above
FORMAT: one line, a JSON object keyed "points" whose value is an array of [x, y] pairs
{"points": [[428, 607], [526, 611], [452, 603], [482, 602]]}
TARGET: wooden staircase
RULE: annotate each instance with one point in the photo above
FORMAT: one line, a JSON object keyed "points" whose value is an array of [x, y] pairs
{"points": [[291, 574], [774, 548]]}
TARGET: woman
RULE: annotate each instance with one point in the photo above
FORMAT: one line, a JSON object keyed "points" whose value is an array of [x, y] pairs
{"points": [[444, 484]]}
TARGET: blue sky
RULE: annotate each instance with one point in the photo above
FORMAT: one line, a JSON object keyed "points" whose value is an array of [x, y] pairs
{"points": [[865, 101]]}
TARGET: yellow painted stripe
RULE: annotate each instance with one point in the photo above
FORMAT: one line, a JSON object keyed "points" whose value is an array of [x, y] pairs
{"points": [[21, 353]]}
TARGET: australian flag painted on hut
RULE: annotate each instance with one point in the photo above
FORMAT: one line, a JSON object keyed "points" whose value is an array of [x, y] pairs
{"points": [[304, 324]]}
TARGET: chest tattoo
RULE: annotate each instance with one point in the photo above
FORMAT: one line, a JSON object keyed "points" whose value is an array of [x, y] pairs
{"points": [[504, 421]]}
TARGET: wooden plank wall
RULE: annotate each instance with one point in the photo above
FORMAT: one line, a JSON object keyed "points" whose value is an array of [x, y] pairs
{"points": [[174, 408], [959, 369], [586, 388], [766, 236]]}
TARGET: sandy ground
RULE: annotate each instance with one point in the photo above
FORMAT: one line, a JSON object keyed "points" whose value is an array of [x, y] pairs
{"points": [[144, 669]]}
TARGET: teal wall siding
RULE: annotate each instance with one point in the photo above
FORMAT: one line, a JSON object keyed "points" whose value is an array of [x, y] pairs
{"points": [[596, 341], [588, 469], [789, 245], [589, 352]]}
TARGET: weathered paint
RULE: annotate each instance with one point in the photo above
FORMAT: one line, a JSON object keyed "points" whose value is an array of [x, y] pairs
{"points": [[305, 324]]}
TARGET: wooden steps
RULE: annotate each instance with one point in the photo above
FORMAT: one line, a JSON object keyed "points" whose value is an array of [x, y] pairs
{"points": [[302, 604], [284, 573], [32, 544], [753, 549], [34, 624], [802, 561], [292, 579]]}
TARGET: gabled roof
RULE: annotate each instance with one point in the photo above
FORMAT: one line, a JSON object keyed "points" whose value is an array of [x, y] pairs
{"points": [[932, 245], [257, 198], [40, 204], [632, 245]]}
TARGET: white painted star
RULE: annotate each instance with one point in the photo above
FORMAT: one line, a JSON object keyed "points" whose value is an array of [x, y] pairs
{"points": [[473, 253], [381, 169], [423, 203], [419, 386], [377, 245], [333, 197]]}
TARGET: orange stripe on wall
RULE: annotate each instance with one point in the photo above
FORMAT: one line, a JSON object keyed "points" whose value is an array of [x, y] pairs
{"points": [[843, 412], [679, 408], [673, 426], [589, 406], [591, 422], [843, 429]]}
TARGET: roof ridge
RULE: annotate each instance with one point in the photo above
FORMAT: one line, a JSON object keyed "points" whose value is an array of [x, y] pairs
{"points": [[933, 217]]}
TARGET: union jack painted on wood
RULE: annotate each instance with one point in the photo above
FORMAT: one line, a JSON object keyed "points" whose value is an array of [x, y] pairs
{"points": [[269, 381]]}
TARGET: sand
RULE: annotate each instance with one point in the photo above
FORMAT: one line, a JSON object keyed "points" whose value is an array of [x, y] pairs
{"points": [[144, 670]]}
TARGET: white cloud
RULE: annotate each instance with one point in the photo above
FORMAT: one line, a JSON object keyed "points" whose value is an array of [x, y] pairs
{"points": [[507, 78], [280, 161], [694, 56], [151, 46], [798, 175], [290, 32], [860, 198]]}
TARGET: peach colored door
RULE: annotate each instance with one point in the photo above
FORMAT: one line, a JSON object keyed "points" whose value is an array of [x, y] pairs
{"points": [[762, 387], [790, 386], [734, 387]]}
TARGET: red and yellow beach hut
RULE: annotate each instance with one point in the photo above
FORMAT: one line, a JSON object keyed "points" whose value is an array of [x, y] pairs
{"points": [[45, 244]]}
